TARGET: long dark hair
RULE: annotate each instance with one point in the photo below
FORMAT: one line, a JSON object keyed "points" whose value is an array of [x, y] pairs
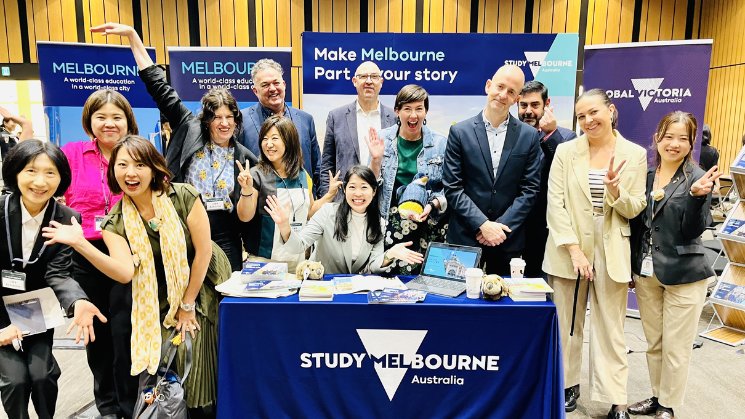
{"points": [[374, 228], [293, 157]]}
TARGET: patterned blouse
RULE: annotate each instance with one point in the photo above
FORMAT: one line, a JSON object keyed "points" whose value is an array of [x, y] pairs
{"points": [[211, 172]]}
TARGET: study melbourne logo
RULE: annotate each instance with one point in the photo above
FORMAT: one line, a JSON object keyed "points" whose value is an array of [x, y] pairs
{"points": [[650, 90], [393, 352]]}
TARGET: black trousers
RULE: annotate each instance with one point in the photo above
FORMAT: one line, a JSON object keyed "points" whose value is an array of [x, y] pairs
{"points": [[109, 357], [31, 373], [496, 261]]}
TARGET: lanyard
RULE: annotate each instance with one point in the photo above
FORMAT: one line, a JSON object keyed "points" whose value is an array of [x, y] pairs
{"points": [[104, 187], [7, 231], [289, 195]]}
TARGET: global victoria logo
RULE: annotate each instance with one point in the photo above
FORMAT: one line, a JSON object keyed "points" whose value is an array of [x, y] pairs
{"points": [[650, 90], [393, 352]]}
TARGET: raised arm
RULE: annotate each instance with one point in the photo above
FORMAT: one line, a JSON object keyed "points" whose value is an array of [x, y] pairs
{"points": [[142, 58]]}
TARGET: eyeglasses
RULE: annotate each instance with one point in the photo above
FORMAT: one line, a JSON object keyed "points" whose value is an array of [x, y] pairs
{"points": [[372, 77]]}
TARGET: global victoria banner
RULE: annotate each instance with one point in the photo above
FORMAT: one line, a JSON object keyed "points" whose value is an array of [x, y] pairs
{"points": [[70, 72], [646, 80], [453, 68]]}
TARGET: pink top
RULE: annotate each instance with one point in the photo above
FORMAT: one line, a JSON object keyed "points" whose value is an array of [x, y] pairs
{"points": [[89, 192]]}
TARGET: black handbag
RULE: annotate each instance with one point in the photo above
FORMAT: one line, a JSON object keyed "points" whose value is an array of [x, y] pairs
{"points": [[162, 396]]}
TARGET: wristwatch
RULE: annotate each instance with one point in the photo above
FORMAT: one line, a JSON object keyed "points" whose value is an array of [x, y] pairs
{"points": [[188, 307]]}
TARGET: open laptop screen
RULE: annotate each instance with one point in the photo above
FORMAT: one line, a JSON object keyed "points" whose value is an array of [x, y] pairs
{"points": [[450, 261]]}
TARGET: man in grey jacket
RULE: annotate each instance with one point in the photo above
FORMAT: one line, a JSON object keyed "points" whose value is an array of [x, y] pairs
{"points": [[347, 127]]}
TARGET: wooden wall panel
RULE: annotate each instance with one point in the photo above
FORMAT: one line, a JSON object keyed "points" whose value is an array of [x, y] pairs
{"points": [[4, 47]]}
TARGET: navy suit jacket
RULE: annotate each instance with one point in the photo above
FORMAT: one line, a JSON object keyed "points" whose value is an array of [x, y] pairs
{"points": [[475, 195], [306, 128], [341, 147]]}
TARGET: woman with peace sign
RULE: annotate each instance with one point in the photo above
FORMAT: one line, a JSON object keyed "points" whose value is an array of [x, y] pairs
{"points": [[595, 186], [202, 147], [669, 263]]}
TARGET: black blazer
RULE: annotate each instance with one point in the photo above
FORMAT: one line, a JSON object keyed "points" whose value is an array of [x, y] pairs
{"points": [[475, 195], [53, 269], [186, 138], [676, 223]]}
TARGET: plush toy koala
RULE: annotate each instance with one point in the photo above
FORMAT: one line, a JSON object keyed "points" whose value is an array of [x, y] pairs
{"points": [[309, 270], [493, 287], [413, 197]]}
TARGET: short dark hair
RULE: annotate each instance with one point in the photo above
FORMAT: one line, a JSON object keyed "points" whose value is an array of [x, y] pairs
{"points": [[534, 86], [293, 157], [142, 151], [411, 93], [374, 227], [25, 152], [706, 135], [211, 102], [101, 97]]}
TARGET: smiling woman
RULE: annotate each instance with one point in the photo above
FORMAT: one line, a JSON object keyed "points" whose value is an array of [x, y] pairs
{"points": [[36, 172], [203, 150]]}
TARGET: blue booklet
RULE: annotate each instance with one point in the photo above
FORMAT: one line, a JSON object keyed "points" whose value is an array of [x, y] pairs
{"points": [[27, 316], [395, 296]]}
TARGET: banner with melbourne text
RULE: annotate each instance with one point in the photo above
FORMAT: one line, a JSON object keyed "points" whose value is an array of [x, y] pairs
{"points": [[665, 77], [70, 72], [196, 70], [453, 68]]}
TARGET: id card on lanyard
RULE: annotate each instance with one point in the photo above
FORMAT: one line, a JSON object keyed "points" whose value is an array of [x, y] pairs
{"points": [[11, 278]]}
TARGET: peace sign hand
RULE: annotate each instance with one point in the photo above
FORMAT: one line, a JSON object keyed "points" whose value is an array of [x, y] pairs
{"points": [[705, 184], [334, 184], [613, 177], [245, 181]]}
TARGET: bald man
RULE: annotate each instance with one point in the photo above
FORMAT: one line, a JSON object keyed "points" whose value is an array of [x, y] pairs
{"points": [[347, 127], [492, 175]]}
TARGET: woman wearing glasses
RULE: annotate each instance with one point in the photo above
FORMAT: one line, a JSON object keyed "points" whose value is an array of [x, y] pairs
{"points": [[279, 173]]}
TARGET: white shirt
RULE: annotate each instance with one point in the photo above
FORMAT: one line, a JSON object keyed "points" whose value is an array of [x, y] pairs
{"points": [[496, 137], [357, 233], [30, 229], [365, 120]]}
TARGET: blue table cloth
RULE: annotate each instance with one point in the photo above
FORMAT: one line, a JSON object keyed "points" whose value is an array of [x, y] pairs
{"points": [[445, 357]]}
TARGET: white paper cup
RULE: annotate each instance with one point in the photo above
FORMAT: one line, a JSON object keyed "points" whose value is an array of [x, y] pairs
{"points": [[473, 282], [517, 268]]}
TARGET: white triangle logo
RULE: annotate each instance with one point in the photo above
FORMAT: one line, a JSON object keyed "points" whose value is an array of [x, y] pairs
{"points": [[642, 86], [534, 56], [379, 342]]}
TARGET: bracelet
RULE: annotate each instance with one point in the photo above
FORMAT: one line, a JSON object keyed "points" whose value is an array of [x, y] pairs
{"points": [[251, 194]]}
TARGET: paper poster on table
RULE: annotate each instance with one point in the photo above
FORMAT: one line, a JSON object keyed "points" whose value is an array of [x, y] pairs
{"points": [[665, 77], [194, 71], [453, 68], [70, 72]]}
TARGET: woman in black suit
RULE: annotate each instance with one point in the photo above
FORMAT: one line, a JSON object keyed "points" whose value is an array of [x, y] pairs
{"points": [[35, 172], [669, 263]]}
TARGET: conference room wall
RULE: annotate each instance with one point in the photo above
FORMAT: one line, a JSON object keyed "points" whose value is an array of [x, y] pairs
{"points": [[281, 22]]}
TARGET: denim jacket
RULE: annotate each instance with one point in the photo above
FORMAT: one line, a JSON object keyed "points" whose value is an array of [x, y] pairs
{"points": [[429, 161]]}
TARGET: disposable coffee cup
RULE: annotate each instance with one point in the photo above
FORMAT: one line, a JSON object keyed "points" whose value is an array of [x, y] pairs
{"points": [[517, 268], [473, 282]]}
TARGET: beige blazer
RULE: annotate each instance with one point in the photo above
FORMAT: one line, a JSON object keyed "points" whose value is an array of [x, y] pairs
{"points": [[569, 213]]}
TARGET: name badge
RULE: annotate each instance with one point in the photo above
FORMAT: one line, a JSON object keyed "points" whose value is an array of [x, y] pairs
{"points": [[647, 268], [98, 220], [14, 280], [214, 204], [296, 227]]}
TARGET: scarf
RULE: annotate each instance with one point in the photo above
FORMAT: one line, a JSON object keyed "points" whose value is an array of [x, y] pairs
{"points": [[146, 337]]}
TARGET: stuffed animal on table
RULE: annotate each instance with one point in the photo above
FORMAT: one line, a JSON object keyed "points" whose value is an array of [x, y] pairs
{"points": [[413, 197], [308, 269], [493, 287]]}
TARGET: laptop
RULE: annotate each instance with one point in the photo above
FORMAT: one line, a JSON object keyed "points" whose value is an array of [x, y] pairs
{"points": [[444, 269]]}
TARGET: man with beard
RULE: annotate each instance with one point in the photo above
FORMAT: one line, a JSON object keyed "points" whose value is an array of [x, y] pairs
{"points": [[534, 109], [347, 127]]}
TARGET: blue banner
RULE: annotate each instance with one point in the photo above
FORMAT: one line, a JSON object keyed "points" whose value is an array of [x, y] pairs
{"points": [[453, 68], [446, 357], [70, 72], [665, 77], [195, 70]]}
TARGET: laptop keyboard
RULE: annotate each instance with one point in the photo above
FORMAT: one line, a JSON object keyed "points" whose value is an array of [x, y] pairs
{"points": [[440, 283]]}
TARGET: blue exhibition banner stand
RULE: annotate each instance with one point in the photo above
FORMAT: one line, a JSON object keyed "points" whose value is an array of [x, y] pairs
{"points": [[196, 70], [442, 358], [70, 72], [453, 68]]}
